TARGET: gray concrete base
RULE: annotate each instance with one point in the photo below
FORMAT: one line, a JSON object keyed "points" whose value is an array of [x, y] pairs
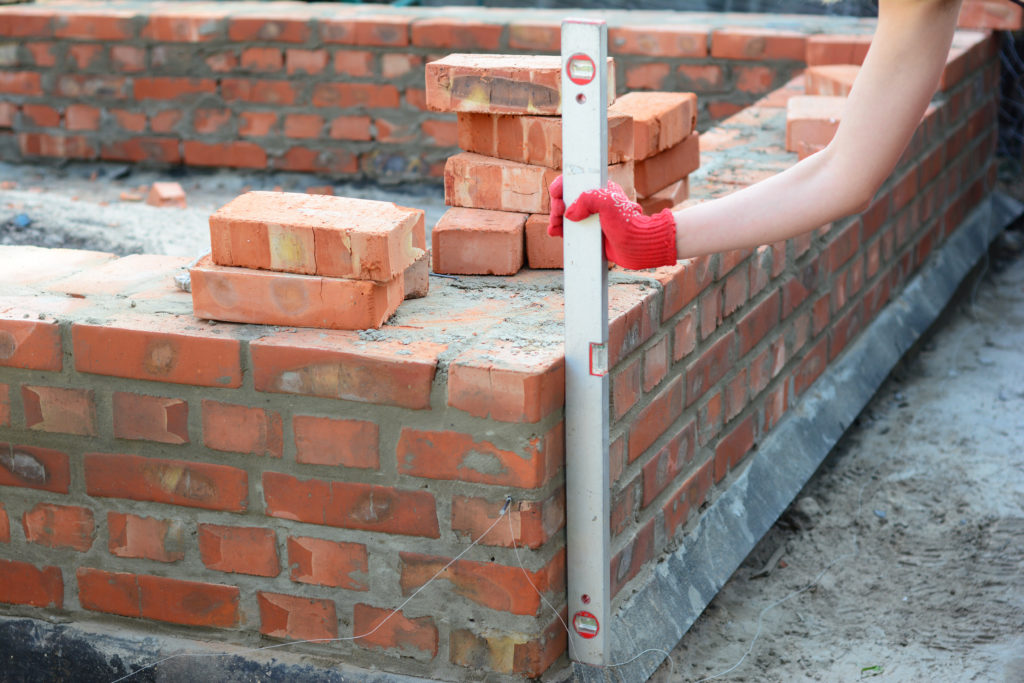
{"points": [[684, 582]]}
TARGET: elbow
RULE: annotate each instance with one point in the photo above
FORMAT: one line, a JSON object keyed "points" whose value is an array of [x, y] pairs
{"points": [[855, 182]]}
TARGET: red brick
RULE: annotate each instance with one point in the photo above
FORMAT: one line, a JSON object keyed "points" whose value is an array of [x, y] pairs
{"points": [[647, 76], [666, 198], [757, 323], [59, 146], [534, 35], [40, 115], [688, 497], [189, 603], [142, 149], [417, 277], [661, 120], [81, 117], [626, 389], [757, 44], [535, 140], [241, 429], [990, 14], [668, 463], [111, 25], [344, 443], [295, 618], [231, 154], [736, 395], [655, 418], [811, 367], [461, 457], [85, 56], [128, 58], [256, 123], [198, 25], [56, 409], [353, 63], [22, 583], [165, 121], [628, 562], [303, 125], [508, 383], [701, 77], [682, 283], [507, 653], [530, 524], [830, 79], [30, 344], [5, 525], [663, 169], [262, 59], [305, 61], [656, 362], [775, 405], [177, 482], [382, 30], [710, 419], [59, 526], [239, 550], [34, 467], [301, 233], [328, 563], [499, 84], [685, 339], [281, 93], [812, 120], [712, 365], [5, 405], [478, 241], [658, 41], [755, 80], [171, 88], [632, 315], [155, 350], [396, 65], [735, 291], [352, 95], [733, 446], [351, 505], [836, 49], [494, 586], [268, 28], [336, 366], [22, 21], [146, 538], [43, 54], [383, 628], [8, 112], [20, 83], [456, 34], [542, 249]]}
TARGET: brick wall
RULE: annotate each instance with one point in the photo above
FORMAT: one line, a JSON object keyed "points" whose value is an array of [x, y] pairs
{"points": [[271, 484], [328, 88]]}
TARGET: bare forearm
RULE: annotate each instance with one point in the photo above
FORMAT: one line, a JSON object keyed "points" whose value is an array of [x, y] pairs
{"points": [[890, 95]]}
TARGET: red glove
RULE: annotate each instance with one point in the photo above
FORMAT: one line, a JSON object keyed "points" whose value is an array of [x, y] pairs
{"points": [[631, 239]]}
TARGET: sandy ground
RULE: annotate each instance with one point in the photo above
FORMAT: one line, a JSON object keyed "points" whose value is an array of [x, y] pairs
{"points": [[903, 557]]}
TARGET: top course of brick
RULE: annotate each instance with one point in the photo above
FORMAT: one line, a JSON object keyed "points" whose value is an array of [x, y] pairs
{"points": [[500, 84]]}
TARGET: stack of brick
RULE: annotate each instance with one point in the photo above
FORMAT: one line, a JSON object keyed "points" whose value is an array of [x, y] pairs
{"points": [[509, 128], [310, 261]]}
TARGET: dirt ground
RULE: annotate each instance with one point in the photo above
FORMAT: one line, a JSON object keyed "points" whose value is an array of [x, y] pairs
{"points": [[903, 557]]}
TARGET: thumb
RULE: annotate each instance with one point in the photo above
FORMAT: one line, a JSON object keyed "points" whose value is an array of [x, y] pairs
{"points": [[587, 204]]}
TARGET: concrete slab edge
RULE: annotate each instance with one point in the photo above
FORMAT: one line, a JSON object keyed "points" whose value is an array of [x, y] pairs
{"points": [[682, 583]]}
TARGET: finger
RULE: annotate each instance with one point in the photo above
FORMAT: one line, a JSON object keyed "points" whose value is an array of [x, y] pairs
{"points": [[555, 190], [585, 205]]}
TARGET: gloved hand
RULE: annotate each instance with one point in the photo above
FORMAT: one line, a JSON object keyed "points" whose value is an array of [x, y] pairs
{"points": [[631, 239]]}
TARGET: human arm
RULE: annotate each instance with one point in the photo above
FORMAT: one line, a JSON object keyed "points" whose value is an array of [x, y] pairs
{"points": [[889, 96]]}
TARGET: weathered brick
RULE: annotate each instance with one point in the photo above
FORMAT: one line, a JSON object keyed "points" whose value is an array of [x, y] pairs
{"points": [[351, 505], [239, 550], [5, 405], [666, 198], [461, 457], [197, 25], [382, 628], [664, 168], [625, 390], [656, 361], [655, 418], [279, 93], [499, 84], [712, 365], [757, 43], [350, 95], [494, 650], [59, 526], [530, 524], [811, 367], [5, 525], [301, 233], [336, 442], [836, 49], [628, 562], [164, 350], [658, 41], [495, 586], [40, 115], [478, 242], [660, 119], [733, 446], [328, 563], [337, 366], [536, 140], [171, 88], [296, 618], [456, 34], [685, 337], [381, 30], [262, 59], [542, 249], [22, 583], [177, 482], [30, 344], [669, 462], [688, 497], [757, 323], [59, 146], [190, 603], [234, 154], [57, 409], [166, 194], [268, 27], [138, 149], [146, 538], [20, 83], [33, 467], [508, 383], [812, 120]]}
